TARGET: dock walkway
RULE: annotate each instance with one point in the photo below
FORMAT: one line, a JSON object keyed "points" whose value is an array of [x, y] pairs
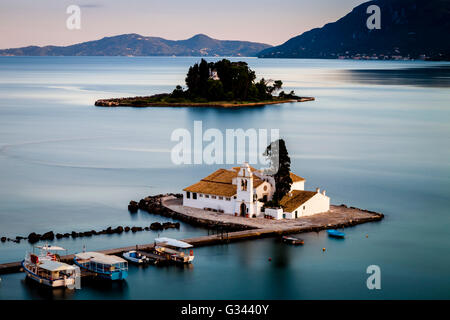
{"points": [[337, 217]]}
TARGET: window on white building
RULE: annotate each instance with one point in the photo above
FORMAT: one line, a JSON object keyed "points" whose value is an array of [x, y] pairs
{"points": [[220, 198], [206, 196], [228, 199], [194, 196], [188, 195], [214, 197]]}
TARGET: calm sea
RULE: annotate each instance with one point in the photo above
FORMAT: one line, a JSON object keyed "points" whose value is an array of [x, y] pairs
{"points": [[377, 137]]}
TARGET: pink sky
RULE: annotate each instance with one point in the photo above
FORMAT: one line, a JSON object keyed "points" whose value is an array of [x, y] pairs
{"points": [[43, 22]]}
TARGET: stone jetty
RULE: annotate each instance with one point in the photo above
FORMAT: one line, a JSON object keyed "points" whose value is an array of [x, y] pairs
{"points": [[233, 228]]}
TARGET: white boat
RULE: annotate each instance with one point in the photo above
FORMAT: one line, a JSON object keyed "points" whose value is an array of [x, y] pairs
{"points": [[103, 266], [174, 250], [136, 257], [45, 268]]}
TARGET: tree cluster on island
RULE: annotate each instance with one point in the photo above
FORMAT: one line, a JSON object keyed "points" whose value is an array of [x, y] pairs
{"points": [[226, 81], [222, 83], [233, 82]]}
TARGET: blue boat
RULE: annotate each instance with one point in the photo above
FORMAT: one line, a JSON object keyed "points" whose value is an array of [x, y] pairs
{"points": [[335, 234], [104, 266]]}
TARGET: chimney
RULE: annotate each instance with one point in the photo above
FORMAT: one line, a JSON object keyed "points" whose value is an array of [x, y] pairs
{"points": [[318, 190], [324, 192]]}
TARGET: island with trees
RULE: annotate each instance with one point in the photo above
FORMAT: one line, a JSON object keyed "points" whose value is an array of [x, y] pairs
{"points": [[215, 84]]}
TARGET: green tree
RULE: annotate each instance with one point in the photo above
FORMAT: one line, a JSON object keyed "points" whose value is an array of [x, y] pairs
{"points": [[236, 82], [280, 168], [277, 85], [193, 79], [262, 91], [215, 91], [178, 92]]}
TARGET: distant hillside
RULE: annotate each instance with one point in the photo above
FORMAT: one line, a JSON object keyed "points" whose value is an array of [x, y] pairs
{"points": [[409, 28], [137, 45]]}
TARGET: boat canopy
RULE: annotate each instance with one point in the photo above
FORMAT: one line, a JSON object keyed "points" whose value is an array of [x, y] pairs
{"points": [[98, 257], [173, 243], [51, 248], [55, 266]]}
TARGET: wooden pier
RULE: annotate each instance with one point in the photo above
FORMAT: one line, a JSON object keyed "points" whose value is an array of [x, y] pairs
{"points": [[219, 238], [338, 217]]}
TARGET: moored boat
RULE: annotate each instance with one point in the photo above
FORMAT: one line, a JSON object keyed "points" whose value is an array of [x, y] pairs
{"points": [[135, 257], [47, 270], [174, 250], [292, 240], [335, 233], [103, 266]]}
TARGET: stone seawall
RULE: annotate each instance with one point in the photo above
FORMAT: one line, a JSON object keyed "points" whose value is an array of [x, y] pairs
{"points": [[170, 205], [154, 205]]}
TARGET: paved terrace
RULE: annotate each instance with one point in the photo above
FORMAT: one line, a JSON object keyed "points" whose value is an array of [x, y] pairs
{"points": [[336, 217]]}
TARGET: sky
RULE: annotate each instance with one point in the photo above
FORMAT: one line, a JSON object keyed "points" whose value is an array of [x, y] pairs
{"points": [[43, 22]]}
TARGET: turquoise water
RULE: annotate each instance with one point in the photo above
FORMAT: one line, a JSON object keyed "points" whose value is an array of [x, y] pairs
{"points": [[377, 137]]}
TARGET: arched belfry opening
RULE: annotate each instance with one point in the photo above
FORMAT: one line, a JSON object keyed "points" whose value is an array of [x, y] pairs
{"points": [[244, 185]]}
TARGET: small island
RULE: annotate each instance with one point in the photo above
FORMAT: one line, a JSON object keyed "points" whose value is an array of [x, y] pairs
{"points": [[215, 84]]}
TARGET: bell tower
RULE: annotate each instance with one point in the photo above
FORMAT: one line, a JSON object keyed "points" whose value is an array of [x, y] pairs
{"points": [[244, 194]]}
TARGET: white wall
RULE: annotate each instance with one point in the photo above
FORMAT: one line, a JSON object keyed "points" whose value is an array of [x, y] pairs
{"points": [[299, 185], [244, 196], [276, 213], [317, 204], [203, 202], [260, 190]]}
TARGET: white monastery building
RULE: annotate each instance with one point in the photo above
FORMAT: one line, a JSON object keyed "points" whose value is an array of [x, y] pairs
{"points": [[213, 74], [243, 190]]}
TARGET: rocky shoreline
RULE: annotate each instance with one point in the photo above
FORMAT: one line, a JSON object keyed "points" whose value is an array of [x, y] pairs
{"points": [[153, 205], [34, 237], [339, 217], [130, 102]]}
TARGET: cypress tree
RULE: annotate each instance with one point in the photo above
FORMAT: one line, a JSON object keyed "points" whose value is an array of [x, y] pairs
{"points": [[280, 168]]}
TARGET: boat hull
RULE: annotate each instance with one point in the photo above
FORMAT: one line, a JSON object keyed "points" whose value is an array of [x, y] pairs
{"points": [[113, 276], [292, 240], [335, 234], [58, 283], [130, 258]]}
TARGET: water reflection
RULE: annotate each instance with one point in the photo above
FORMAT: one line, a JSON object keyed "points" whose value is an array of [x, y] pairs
{"points": [[105, 288], [39, 291], [280, 254], [438, 76], [391, 159]]}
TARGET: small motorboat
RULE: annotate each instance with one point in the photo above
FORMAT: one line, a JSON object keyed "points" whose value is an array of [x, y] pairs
{"points": [[335, 234], [135, 257], [292, 240]]}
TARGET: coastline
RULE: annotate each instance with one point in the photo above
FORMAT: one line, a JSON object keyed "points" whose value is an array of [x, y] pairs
{"points": [[127, 102], [339, 216], [231, 228]]}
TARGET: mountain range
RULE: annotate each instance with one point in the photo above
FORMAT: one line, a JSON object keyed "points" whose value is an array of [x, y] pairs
{"points": [[137, 45], [409, 29]]}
